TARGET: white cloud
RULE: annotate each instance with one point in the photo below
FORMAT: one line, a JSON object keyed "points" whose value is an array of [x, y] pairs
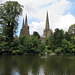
{"points": [[2, 1], [35, 26], [37, 9], [65, 21]]}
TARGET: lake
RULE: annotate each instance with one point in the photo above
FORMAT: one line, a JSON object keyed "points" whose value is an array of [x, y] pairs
{"points": [[37, 65]]}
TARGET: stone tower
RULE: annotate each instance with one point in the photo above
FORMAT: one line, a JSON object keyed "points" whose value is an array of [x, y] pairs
{"points": [[25, 28], [47, 31]]}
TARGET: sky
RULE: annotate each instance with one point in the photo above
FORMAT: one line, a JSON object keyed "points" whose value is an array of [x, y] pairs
{"points": [[61, 14]]}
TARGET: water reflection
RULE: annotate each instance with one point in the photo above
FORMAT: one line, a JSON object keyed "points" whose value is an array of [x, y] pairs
{"points": [[42, 57], [15, 71], [30, 72], [41, 71], [37, 65]]}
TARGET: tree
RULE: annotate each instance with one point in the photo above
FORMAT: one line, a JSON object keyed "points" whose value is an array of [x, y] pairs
{"points": [[58, 50], [36, 42], [73, 40], [36, 34], [67, 36], [50, 43], [1, 38], [24, 44], [9, 14], [73, 44], [71, 29], [30, 46], [58, 37], [66, 46], [0, 29], [41, 48]]}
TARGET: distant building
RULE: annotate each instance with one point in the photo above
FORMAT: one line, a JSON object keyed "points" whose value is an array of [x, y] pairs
{"points": [[47, 31], [25, 29]]}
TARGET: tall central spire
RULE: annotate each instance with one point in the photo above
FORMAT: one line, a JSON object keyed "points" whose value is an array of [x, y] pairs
{"points": [[47, 22], [47, 31], [26, 23]]}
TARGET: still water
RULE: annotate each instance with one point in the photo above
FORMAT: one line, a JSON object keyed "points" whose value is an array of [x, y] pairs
{"points": [[37, 65]]}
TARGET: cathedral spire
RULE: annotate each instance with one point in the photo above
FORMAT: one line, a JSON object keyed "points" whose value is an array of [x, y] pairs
{"points": [[26, 23], [23, 23], [47, 31], [25, 28], [47, 22]]}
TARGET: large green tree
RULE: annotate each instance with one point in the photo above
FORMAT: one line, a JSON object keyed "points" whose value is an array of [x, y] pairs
{"points": [[66, 46], [55, 40], [67, 36], [30, 46], [58, 37], [71, 30], [9, 16], [36, 34]]}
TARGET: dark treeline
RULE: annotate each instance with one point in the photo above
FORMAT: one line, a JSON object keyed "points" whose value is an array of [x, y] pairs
{"points": [[23, 45], [61, 42]]}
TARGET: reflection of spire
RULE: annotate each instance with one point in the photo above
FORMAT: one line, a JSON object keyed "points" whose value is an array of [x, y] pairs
{"points": [[23, 23], [26, 23], [47, 22]]}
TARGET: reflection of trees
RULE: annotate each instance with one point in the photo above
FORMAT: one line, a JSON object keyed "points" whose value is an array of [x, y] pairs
{"points": [[57, 65], [29, 63], [26, 64], [53, 66], [5, 65], [69, 65]]}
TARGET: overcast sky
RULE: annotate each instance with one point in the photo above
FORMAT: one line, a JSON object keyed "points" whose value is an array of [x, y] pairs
{"points": [[61, 14]]}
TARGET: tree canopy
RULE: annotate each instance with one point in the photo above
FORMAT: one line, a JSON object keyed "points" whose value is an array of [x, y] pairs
{"points": [[9, 16], [36, 34], [72, 29]]}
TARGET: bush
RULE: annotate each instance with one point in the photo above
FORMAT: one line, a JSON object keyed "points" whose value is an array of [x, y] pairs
{"points": [[66, 46], [49, 51], [58, 50], [16, 52], [41, 48]]}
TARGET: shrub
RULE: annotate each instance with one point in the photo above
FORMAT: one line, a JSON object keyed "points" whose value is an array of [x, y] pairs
{"points": [[16, 52], [49, 51], [58, 50]]}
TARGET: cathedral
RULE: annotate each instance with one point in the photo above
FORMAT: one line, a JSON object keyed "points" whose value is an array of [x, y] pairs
{"points": [[25, 29]]}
